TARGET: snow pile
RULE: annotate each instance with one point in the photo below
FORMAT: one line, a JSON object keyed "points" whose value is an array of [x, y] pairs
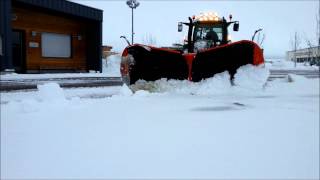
{"points": [[49, 96], [251, 77], [111, 66], [219, 84], [141, 93], [125, 91], [248, 77], [51, 92]]}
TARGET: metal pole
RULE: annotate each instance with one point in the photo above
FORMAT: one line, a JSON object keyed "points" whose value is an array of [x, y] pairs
{"points": [[132, 4], [132, 33], [295, 49], [318, 52]]}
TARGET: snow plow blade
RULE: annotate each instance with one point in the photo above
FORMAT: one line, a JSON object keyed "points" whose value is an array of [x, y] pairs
{"points": [[150, 63], [225, 58]]}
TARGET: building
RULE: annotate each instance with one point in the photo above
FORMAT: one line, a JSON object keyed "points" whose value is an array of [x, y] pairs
{"points": [[106, 51], [311, 55], [49, 36]]}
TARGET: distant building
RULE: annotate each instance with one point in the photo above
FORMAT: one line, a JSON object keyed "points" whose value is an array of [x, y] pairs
{"points": [[106, 51], [311, 55], [49, 35], [106, 48]]}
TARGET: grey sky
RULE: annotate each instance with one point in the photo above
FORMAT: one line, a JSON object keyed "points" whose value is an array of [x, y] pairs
{"points": [[279, 20]]}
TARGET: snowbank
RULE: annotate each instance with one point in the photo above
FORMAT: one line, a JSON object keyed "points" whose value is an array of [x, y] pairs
{"points": [[248, 77], [251, 77], [125, 91], [51, 92]]}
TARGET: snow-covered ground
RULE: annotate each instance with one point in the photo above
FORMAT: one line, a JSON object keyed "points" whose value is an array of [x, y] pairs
{"points": [[111, 68], [282, 64], [176, 129], [14, 76]]}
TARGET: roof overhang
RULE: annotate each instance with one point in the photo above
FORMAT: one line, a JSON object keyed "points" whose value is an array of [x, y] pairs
{"points": [[66, 7]]}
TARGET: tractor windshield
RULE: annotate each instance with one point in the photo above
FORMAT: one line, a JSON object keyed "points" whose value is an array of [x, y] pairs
{"points": [[208, 32]]}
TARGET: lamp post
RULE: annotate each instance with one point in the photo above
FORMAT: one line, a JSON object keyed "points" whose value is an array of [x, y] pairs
{"points": [[133, 4]]}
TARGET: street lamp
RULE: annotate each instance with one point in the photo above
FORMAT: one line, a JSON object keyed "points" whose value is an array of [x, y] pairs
{"points": [[133, 4]]}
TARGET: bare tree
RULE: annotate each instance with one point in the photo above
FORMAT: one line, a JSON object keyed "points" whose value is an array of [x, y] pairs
{"points": [[295, 44], [318, 29], [149, 39], [310, 46]]}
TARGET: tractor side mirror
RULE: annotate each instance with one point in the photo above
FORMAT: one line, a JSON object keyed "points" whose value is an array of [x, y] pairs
{"points": [[180, 27], [236, 26]]}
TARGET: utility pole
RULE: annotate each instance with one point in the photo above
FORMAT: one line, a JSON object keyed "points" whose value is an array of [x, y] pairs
{"points": [[132, 32], [318, 33], [295, 49], [133, 4], [319, 25]]}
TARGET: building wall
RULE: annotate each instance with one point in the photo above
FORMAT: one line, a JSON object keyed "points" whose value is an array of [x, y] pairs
{"points": [[305, 55], [33, 23], [5, 29]]}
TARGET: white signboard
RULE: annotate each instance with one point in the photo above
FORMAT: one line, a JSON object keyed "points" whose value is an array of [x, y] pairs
{"points": [[33, 44]]}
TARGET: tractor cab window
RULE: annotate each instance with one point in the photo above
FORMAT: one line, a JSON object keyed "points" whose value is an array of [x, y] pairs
{"points": [[211, 33]]}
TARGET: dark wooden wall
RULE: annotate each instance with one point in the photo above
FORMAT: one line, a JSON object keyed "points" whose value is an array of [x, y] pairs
{"points": [[5, 31], [30, 20]]}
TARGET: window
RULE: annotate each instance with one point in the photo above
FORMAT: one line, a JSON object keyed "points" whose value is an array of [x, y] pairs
{"points": [[56, 45], [208, 33]]}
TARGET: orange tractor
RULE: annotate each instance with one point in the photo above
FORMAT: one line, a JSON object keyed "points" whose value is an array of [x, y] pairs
{"points": [[206, 51]]}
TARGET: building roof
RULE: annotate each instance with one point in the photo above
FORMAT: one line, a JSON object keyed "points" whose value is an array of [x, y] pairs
{"points": [[66, 7]]}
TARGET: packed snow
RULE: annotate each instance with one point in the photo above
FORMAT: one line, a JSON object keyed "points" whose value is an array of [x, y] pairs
{"points": [[246, 129], [282, 64]]}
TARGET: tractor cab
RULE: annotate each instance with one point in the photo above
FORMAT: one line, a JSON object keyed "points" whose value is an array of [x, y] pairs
{"points": [[206, 31], [207, 35]]}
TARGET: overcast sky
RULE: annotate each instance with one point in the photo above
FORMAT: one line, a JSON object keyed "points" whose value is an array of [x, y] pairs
{"points": [[278, 19]]}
